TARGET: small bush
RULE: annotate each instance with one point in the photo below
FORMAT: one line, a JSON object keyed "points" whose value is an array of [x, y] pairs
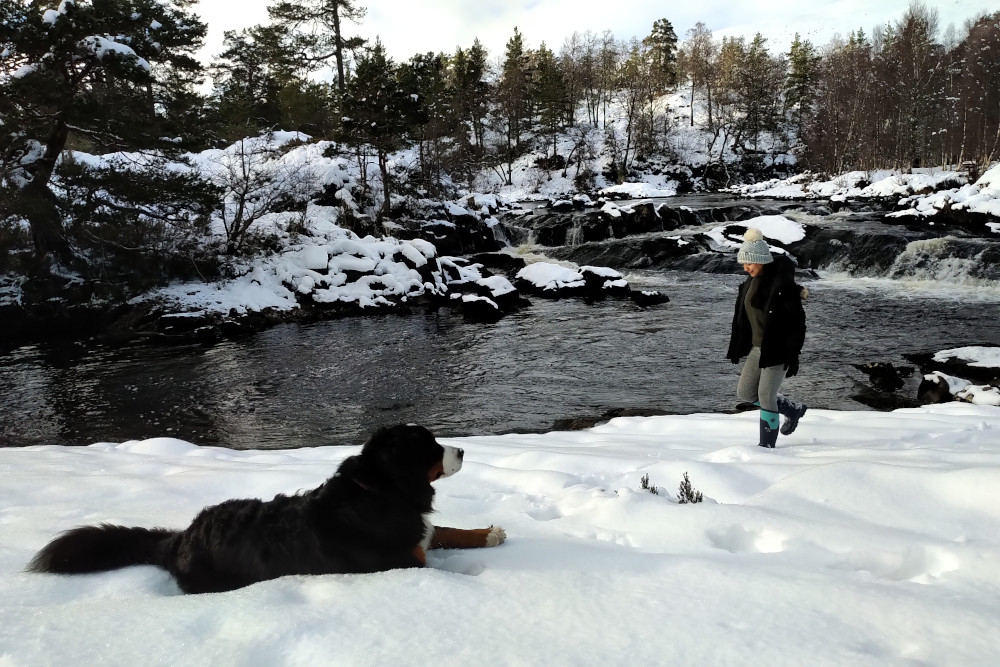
{"points": [[644, 484], [686, 493]]}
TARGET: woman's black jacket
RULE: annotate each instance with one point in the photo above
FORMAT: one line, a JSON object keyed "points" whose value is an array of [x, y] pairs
{"points": [[785, 324]]}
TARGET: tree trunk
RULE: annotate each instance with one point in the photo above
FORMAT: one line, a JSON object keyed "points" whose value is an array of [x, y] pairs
{"points": [[708, 94], [339, 47], [38, 202], [691, 102], [383, 165]]}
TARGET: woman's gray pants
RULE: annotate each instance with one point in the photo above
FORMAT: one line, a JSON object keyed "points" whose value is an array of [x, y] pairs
{"points": [[760, 385]]}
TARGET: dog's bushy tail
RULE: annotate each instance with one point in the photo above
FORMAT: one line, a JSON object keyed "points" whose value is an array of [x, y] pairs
{"points": [[102, 547]]}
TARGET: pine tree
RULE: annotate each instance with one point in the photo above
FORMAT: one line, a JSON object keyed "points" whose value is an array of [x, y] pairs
{"points": [[315, 29], [514, 104], [662, 45], [246, 86], [92, 75], [259, 85], [550, 92], [424, 78], [750, 83], [471, 93], [377, 112], [800, 84]]}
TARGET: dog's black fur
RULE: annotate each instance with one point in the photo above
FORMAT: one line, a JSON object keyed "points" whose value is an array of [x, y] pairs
{"points": [[368, 517]]}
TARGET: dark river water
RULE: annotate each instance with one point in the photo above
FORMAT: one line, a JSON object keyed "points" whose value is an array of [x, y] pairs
{"points": [[333, 382]]}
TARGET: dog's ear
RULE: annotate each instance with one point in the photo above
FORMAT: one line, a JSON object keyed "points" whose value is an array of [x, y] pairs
{"points": [[403, 453], [384, 446], [380, 434]]}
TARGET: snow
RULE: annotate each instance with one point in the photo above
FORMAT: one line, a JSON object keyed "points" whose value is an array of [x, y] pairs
{"points": [[548, 276], [101, 46], [921, 193], [852, 184], [603, 271], [974, 355], [316, 267], [498, 285], [866, 538], [612, 210], [982, 197], [776, 227], [316, 251], [966, 391], [641, 190]]}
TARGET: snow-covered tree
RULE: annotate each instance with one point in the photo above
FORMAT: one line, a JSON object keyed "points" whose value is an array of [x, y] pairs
{"points": [[93, 74]]}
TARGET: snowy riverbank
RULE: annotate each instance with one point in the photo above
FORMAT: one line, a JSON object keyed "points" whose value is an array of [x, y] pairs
{"points": [[865, 539]]}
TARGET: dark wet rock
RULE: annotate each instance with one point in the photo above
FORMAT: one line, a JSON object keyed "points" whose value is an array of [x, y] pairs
{"points": [[598, 283], [652, 252], [552, 229], [556, 229], [861, 252], [648, 298], [676, 217], [934, 389], [883, 400], [479, 309], [460, 236], [957, 367], [708, 262], [499, 262], [53, 307], [886, 380], [885, 376]]}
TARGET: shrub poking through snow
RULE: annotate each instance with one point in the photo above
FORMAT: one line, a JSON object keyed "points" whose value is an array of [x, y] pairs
{"points": [[644, 484], [686, 493]]}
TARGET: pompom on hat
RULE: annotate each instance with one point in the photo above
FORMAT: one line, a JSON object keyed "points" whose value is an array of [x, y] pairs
{"points": [[754, 249]]}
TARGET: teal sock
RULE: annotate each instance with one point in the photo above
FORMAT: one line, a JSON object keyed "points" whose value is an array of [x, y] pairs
{"points": [[770, 417]]}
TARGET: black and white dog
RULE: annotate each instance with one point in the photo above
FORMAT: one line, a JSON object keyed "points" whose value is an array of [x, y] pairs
{"points": [[372, 515]]}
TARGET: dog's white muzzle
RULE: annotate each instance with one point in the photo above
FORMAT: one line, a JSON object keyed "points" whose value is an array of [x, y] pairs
{"points": [[452, 460]]}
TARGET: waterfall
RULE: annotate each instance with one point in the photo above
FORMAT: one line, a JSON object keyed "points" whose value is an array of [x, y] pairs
{"points": [[950, 260], [574, 235]]}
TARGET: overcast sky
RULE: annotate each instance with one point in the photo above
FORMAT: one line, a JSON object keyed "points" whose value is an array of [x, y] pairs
{"points": [[407, 27]]}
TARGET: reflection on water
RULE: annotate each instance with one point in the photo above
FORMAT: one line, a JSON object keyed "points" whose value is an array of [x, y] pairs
{"points": [[333, 382]]}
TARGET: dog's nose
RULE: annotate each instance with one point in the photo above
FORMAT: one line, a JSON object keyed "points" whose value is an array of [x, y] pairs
{"points": [[461, 454]]}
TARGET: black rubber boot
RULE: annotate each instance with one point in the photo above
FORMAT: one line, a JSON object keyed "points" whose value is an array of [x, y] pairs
{"points": [[792, 412], [768, 429]]}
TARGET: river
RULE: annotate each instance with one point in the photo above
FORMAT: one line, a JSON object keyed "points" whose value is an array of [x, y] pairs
{"points": [[332, 382]]}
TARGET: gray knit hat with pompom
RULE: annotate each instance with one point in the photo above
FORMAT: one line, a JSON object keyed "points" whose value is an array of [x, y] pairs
{"points": [[754, 249]]}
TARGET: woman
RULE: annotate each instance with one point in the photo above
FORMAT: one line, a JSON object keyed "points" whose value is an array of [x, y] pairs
{"points": [[769, 327]]}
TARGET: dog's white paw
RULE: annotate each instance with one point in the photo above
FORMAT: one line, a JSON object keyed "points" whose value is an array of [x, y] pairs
{"points": [[496, 536]]}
